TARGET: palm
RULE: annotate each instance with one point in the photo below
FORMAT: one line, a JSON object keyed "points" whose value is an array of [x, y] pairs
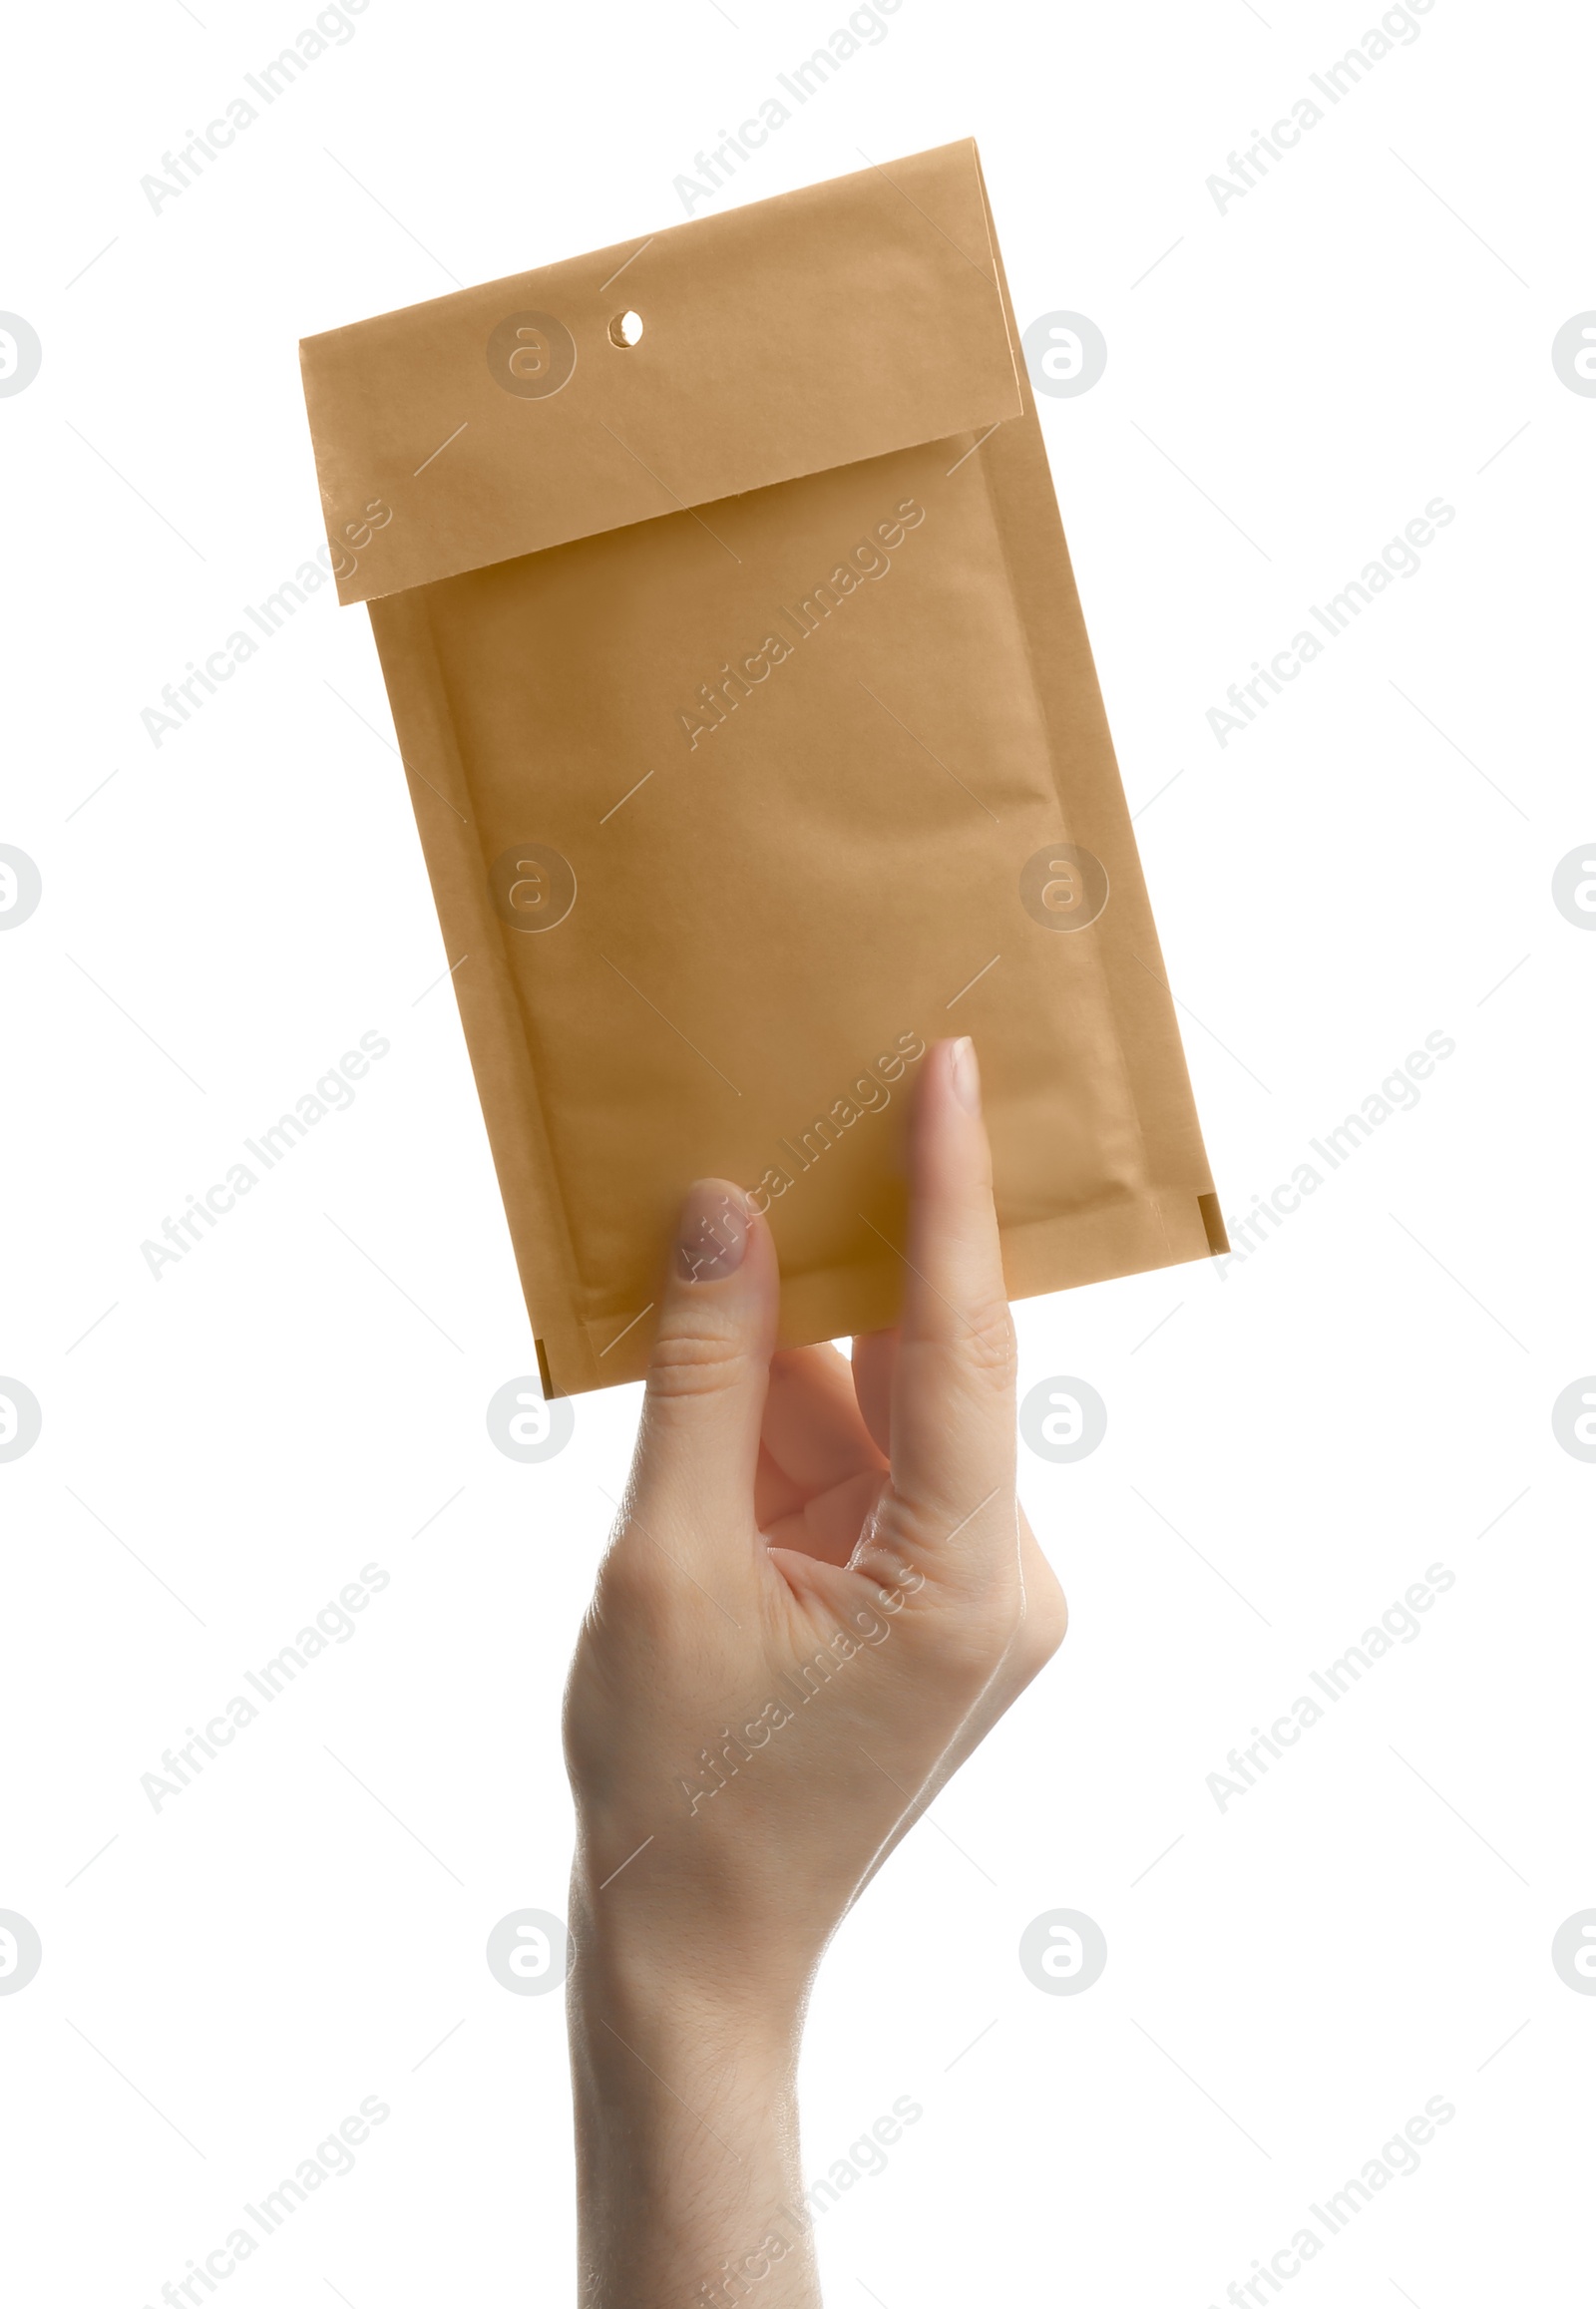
{"points": [[823, 1447], [824, 1462]]}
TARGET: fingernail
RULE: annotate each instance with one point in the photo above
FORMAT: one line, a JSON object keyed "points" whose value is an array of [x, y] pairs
{"points": [[966, 1074], [712, 1233]]}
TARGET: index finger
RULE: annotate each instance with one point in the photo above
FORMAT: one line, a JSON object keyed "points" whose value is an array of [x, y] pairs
{"points": [[953, 1408]]}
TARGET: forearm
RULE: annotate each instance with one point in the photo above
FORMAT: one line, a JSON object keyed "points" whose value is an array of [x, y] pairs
{"points": [[750, 1612], [688, 2183]]}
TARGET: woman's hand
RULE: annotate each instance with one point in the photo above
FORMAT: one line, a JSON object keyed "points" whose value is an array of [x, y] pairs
{"points": [[820, 1595]]}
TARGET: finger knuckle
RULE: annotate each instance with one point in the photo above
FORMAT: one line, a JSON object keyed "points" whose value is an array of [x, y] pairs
{"points": [[694, 1357], [988, 1344]]}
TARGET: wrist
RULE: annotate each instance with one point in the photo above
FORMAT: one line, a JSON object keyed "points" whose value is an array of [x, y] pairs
{"points": [[674, 1956], [678, 1997], [686, 2126]]}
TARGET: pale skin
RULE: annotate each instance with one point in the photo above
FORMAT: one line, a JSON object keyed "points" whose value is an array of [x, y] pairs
{"points": [[735, 1793]]}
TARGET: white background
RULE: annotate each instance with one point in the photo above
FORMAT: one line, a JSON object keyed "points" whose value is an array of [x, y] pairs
{"points": [[1288, 1980]]}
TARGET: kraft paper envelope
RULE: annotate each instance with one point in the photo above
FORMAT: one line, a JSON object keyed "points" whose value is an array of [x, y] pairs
{"points": [[754, 741]]}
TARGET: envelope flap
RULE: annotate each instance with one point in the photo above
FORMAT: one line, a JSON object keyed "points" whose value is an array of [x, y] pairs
{"points": [[815, 330]]}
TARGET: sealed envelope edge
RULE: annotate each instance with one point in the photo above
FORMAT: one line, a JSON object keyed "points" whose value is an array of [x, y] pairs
{"points": [[507, 1081], [816, 329], [1182, 1211]]}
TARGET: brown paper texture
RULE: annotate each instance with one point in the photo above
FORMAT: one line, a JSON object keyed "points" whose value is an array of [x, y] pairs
{"points": [[754, 742]]}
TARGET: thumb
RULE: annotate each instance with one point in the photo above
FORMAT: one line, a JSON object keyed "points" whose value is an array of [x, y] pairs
{"points": [[698, 1444]]}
